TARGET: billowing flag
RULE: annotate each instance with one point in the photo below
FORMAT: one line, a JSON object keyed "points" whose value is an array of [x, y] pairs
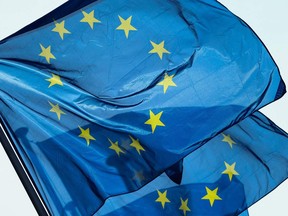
{"points": [[224, 177], [99, 98]]}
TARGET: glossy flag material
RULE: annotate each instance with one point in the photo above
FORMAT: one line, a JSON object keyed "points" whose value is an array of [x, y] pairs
{"points": [[224, 177], [101, 97]]}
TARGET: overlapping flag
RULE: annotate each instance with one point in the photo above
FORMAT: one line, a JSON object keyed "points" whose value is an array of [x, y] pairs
{"points": [[127, 107]]}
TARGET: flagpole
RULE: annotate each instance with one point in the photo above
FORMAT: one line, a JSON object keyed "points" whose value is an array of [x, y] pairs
{"points": [[22, 173]]}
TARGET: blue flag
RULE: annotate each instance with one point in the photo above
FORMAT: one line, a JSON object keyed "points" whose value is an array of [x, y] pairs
{"points": [[224, 177], [101, 97]]}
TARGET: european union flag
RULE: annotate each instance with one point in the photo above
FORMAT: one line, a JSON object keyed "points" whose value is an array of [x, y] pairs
{"points": [[101, 97], [224, 177]]}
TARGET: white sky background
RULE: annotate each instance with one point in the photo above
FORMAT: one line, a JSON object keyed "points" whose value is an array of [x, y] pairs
{"points": [[266, 17]]}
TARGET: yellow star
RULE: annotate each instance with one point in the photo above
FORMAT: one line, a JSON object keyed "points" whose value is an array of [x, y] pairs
{"points": [[55, 80], [230, 170], [126, 25], [56, 109], [46, 53], [211, 196], [162, 197], [59, 27], [184, 206], [85, 133], [167, 82], [89, 18], [115, 147], [159, 49], [136, 144], [228, 139], [154, 120]]}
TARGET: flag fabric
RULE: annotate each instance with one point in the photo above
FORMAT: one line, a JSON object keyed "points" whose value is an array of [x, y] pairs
{"points": [[101, 97], [224, 177]]}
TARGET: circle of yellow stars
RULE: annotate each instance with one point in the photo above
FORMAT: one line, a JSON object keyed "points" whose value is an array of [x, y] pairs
{"points": [[46, 52], [126, 26], [154, 119]]}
